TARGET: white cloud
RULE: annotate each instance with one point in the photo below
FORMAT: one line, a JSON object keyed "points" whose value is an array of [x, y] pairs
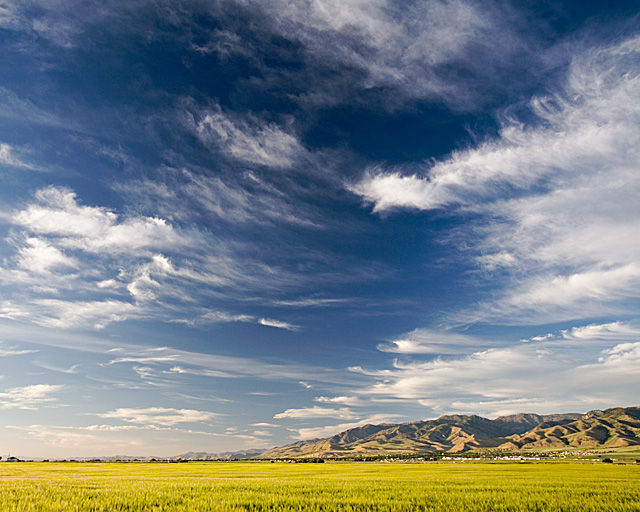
{"points": [[28, 397], [75, 314], [623, 358], [159, 416], [12, 311], [317, 412], [202, 372], [9, 158], [92, 229], [557, 195], [143, 286], [13, 351], [74, 266], [278, 324], [610, 331], [310, 302], [547, 376], [19, 110], [221, 316], [185, 194], [344, 400], [405, 46], [541, 337], [39, 256], [8, 15], [248, 140], [213, 317], [261, 433], [427, 341]]}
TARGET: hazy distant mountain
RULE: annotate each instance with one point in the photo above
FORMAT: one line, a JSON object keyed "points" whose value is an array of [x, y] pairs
{"points": [[613, 427], [246, 454]]}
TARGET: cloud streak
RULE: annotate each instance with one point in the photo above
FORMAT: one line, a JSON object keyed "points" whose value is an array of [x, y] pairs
{"points": [[249, 140], [10, 158], [535, 187], [404, 47]]}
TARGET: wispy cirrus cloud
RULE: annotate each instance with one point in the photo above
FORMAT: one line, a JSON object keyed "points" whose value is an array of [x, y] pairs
{"points": [[67, 314], [406, 47], [8, 351], [535, 187], [20, 110], [186, 194], [9, 157], [427, 341], [248, 140], [311, 302]]}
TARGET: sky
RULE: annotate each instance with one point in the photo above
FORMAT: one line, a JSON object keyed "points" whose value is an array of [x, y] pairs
{"points": [[236, 224]]}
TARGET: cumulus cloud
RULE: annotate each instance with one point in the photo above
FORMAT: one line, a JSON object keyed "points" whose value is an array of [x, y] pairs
{"points": [[29, 397], [93, 229], [159, 416], [39, 256], [344, 400], [556, 192]]}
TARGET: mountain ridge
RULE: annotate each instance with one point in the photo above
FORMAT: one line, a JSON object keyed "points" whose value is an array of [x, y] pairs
{"points": [[615, 427]]}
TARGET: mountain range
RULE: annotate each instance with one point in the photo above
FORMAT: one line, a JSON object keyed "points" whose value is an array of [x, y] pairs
{"points": [[617, 427], [613, 428]]}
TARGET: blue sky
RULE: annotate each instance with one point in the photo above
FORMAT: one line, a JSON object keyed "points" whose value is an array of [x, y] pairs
{"points": [[234, 224]]}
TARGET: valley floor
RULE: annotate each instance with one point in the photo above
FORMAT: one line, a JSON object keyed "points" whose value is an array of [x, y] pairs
{"points": [[339, 486]]}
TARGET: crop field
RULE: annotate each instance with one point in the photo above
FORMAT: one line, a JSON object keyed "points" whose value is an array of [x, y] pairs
{"points": [[339, 486]]}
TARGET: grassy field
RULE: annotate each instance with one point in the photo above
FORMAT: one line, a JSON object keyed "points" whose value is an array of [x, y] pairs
{"points": [[336, 486]]}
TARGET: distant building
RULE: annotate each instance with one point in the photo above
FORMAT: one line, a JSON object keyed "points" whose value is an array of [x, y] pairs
{"points": [[13, 459]]}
